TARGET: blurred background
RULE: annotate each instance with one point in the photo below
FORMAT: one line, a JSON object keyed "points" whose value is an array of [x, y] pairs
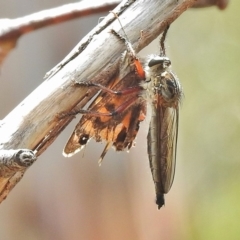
{"points": [[74, 198]]}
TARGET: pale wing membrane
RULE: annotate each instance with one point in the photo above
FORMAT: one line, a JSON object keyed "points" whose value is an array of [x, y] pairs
{"points": [[172, 147], [162, 143]]}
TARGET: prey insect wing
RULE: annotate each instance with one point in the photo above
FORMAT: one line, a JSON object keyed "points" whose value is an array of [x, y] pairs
{"points": [[117, 116], [120, 129]]}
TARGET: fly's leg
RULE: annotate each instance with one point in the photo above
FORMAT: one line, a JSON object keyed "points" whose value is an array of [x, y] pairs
{"points": [[118, 110], [126, 91]]}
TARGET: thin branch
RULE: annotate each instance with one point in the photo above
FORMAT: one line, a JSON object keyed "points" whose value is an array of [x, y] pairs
{"points": [[12, 29], [221, 4], [17, 27]]}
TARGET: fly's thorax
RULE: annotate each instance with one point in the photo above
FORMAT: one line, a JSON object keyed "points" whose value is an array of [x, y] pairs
{"points": [[168, 87], [164, 83]]}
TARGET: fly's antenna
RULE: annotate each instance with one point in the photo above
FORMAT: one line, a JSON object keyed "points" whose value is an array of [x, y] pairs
{"points": [[162, 41]]}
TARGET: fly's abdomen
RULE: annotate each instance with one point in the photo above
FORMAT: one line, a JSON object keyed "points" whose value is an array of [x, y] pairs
{"points": [[162, 148], [154, 158]]}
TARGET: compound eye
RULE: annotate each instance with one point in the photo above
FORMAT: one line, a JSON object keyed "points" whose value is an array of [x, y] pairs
{"points": [[162, 61]]}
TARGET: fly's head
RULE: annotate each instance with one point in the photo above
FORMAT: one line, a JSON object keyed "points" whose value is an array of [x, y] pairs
{"points": [[159, 64]]}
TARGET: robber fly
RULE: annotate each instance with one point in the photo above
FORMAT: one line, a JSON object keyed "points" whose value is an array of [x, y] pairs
{"points": [[164, 95], [115, 114]]}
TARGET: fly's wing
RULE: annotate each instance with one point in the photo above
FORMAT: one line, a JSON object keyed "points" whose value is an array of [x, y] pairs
{"points": [[121, 128], [162, 146]]}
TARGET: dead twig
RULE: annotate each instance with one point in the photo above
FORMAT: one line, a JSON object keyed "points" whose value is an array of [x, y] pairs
{"points": [[221, 4], [12, 29]]}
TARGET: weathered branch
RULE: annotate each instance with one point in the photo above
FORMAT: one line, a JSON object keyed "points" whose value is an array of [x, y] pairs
{"points": [[12, 29], [35, 123], [221, 4]]}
